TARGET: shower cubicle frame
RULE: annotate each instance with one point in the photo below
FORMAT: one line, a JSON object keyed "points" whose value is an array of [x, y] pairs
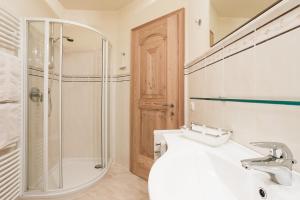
{"points": [[104, 108]]}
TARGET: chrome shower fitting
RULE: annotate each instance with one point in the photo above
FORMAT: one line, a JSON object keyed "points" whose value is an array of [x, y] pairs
{"points": [[36, 95], [69, 39]]}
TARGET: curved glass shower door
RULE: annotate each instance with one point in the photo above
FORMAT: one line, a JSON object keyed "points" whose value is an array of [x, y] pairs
{"points": [[67, 131], [35, 108], [55, 177], [81, 105]]}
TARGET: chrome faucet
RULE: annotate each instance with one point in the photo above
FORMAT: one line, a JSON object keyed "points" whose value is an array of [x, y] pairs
{"points": [[278, 164]]}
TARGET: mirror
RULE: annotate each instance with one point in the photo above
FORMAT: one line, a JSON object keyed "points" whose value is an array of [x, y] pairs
{"points": [[226, 16]]}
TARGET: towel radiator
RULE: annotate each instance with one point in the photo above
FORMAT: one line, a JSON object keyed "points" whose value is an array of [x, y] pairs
{"points": [[10, 155], [10, 174]]}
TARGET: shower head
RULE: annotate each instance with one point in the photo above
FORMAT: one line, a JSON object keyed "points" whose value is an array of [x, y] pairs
{"points": [[69, 39]]}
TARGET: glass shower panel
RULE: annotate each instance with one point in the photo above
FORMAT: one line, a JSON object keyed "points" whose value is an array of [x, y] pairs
{"points": [[68, 106], [35, 90], [82, 82], [109, 105], [54, 106]]}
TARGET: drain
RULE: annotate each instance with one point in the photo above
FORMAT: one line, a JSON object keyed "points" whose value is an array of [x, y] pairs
{"points": [[262, 193]]}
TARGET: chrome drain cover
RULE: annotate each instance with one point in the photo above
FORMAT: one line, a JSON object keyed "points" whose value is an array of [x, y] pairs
{"points": [[262, 193]]}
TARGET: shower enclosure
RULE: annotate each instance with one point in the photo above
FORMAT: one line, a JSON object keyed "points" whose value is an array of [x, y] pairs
{"points": [[66, 129]]}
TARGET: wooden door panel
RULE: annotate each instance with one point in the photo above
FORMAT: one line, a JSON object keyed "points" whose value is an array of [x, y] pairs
{"points": [[156, 87], [150, 120], [173, 79], [153, 68]]}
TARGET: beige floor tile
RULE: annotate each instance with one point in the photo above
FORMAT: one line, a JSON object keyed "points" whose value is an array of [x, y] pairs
{"points": [[117, 184]]}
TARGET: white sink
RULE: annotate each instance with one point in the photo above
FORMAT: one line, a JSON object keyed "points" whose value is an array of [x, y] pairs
{"points": [[194, 171]]}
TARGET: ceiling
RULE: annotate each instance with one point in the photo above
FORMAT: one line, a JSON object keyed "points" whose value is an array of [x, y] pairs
{"points": [[94, 4], [240, 8]]}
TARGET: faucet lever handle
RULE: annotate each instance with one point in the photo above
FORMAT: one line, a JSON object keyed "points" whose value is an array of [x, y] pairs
{"points": [[267, 145], [286, 153]]}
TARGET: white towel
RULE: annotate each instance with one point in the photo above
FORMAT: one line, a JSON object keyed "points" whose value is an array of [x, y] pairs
{"points": [[10, 78], [10, 123]]}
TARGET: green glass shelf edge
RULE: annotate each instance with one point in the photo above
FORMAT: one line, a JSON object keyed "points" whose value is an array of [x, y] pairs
{"points": [[274, 102]]}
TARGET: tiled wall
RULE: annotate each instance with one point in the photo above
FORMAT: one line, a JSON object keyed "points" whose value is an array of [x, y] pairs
{"points": [[82, 104], [261, 63], [121, 118]]}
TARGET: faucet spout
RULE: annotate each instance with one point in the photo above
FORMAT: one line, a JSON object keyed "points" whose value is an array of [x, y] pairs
{"points": [[249, 163], [279, 168]]}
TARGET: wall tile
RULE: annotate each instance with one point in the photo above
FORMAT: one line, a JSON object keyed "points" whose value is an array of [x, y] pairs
{"points": [[198, 115], [196, 83], [239, 74], [240, 118], [277, 68], [208, 112], [269, 70], [279, 124], [214, 80]]}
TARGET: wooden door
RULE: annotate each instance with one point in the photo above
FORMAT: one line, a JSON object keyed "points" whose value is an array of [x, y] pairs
{"points": [[156, 86]]}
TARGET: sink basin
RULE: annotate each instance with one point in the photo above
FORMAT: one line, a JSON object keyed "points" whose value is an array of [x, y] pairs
{"points": [[191, 170]]}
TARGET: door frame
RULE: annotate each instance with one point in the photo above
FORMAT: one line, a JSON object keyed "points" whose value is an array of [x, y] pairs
{"points": [[181, 47]]}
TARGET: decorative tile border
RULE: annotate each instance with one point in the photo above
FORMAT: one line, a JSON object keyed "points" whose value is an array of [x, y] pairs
{"points": [[37, 72], [121, 78], [257, 101], [277, 26]]}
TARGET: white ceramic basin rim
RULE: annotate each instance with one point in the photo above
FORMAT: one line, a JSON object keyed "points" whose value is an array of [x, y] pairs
{"points": [[193, 171]]}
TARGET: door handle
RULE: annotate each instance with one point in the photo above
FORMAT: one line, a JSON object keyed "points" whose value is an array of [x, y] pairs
{"points": [[169, 105]]}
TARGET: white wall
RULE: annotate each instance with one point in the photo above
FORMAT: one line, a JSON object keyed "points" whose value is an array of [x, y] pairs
{"points": [[106, 22], [229, 24], [198, 39], [28, 8], [222, 26], [138, 13], [122, 121], [142, 11]]}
